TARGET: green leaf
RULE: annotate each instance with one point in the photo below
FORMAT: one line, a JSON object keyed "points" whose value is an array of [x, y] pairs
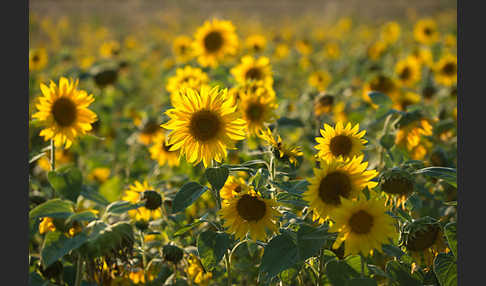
{"points": [[190, 226], [339, 272], [361, 282], [400, 274], [56, 245], [111, 189], [289, 122], [447, 174], [36, 280], [187, 195], [217, 177], [94, 196], [380, 99], [296, 187], [82, 216], [445, 269], [392, 250], [355, 262], [211, 247], [280, 253], [67, 182], [387, 141], [450, 233], [310, 240], [120, 207], [55, 208]]}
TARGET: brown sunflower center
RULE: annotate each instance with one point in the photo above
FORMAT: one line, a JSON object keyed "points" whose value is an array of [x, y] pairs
{"points": [[251, 208], [341, 145], [449, 69], [428, 31], [64, 111], [382, 84], [213, 41], [334, 186], [361, 222], [254, 73], [399, 186], [205, 125], [237, 189], [423, 239], [405, 73], [35, 58], [150, 128], [255, 111], [326, 100]]}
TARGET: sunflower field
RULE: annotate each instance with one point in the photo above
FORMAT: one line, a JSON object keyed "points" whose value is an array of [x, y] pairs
{"points": [[223, 150]]}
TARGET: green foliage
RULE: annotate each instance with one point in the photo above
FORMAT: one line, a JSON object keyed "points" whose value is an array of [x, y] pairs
{"points": [[445, 269], [57, 244], [67, 182], [217, 177], [55, 208], [187, 195], [450, 233], [212, 246]]}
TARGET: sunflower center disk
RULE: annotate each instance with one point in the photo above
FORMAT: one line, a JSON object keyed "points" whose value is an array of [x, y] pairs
{"points": [[449, 69], [253, 73], [427, 31], [35, 58], [150, 128], [255, 111], [64, 111], [382, 84], [341, 145], [205, 125], [423, 239], [251, 208], [405, 74], [361, 222], [213, 41], [333, 187], [326, 100], [237, 189]]}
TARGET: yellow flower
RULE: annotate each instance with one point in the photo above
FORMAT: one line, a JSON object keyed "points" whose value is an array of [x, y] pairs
{"points": [[445, 70], [197, 273], [213, 41], [425, 31], [255, 43], [323, 104], [340, 142], [149, 129], [110, 49], [376, 50], [250, 87], [37, 59], [382, 84], [280, 149], [99, 174], [187, 77], [332, 50], [62, 158], [182, 49], [139, 276], [204, 124], [304, 47], [320, 80], [134, 194], [160, 151], [250, 213], [257, 109], [410, 135], [64, 111], [390, 32], [233, 187], [335, 180], [46, 225], [405, 99], [408, 71], [253, 69], [423, 56], [281, 51], [450, 40], [363, 225]]}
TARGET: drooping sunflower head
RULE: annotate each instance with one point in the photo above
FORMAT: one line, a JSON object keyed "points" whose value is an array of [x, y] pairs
{"points": [[323, 104], [423, 239], [255, 43], [37, 59], [363, 225], [213, 41], [63, 110], [340, 142], [425, 31], [143, 191], [204, 124], [408, 71], [233, 187], [397, 184], [160, 151], [337, 179], [446, 70], [390, 32], [257, 109], [251, 69], [187, 77], [250, 213], [149, 129], [320, 80], [282, 151], [182, 48]]}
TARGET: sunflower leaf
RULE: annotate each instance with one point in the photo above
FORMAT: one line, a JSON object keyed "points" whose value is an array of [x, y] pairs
{"points": [[450, 233], [56, 245], [217, 177], [447, 174], [120, 207], [339, 272], [400, 275], [55, 208], [445, 269], [187, 195], [67, 182], [280, 253], [211, 247]]}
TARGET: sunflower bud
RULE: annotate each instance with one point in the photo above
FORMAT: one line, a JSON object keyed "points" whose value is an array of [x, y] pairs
{"points": [[104, 76], [172, 253], [153, 200]]}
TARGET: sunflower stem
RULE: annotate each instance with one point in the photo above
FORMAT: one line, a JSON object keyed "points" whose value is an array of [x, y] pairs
{"points": [[363, 261], [79, 269], [53, 155], [228, 267]]}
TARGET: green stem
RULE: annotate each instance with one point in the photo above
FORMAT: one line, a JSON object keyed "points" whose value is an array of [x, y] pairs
{"points": [[228, 267], [79, 269], [53, 155], [363, 261]]}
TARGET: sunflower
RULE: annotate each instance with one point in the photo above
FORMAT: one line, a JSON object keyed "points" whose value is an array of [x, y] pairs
{"points": [[304, 47], [37, 59], [320, 80], [446, 70], [204, 124], [408, 71], [187, 77], [213, 41], [405, 99], [63, 157], [323, 104], [410, 135], [423, 55], [383, 84], [423, 240], [196, 271], [233, 187], [182, 48], [253, 69], [160, 151], [342, 142], [282, 50], [255, 43], [110, 49], [376, 50], [250, 87], [398, 185], [138, 191], [99, 174], [332, 50], [149, 129], [249, 212], [335, 180], [46, 225], [390, 32], [425, 31], [64, 111], [363, 225], [257, 109], [280, 149]]}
